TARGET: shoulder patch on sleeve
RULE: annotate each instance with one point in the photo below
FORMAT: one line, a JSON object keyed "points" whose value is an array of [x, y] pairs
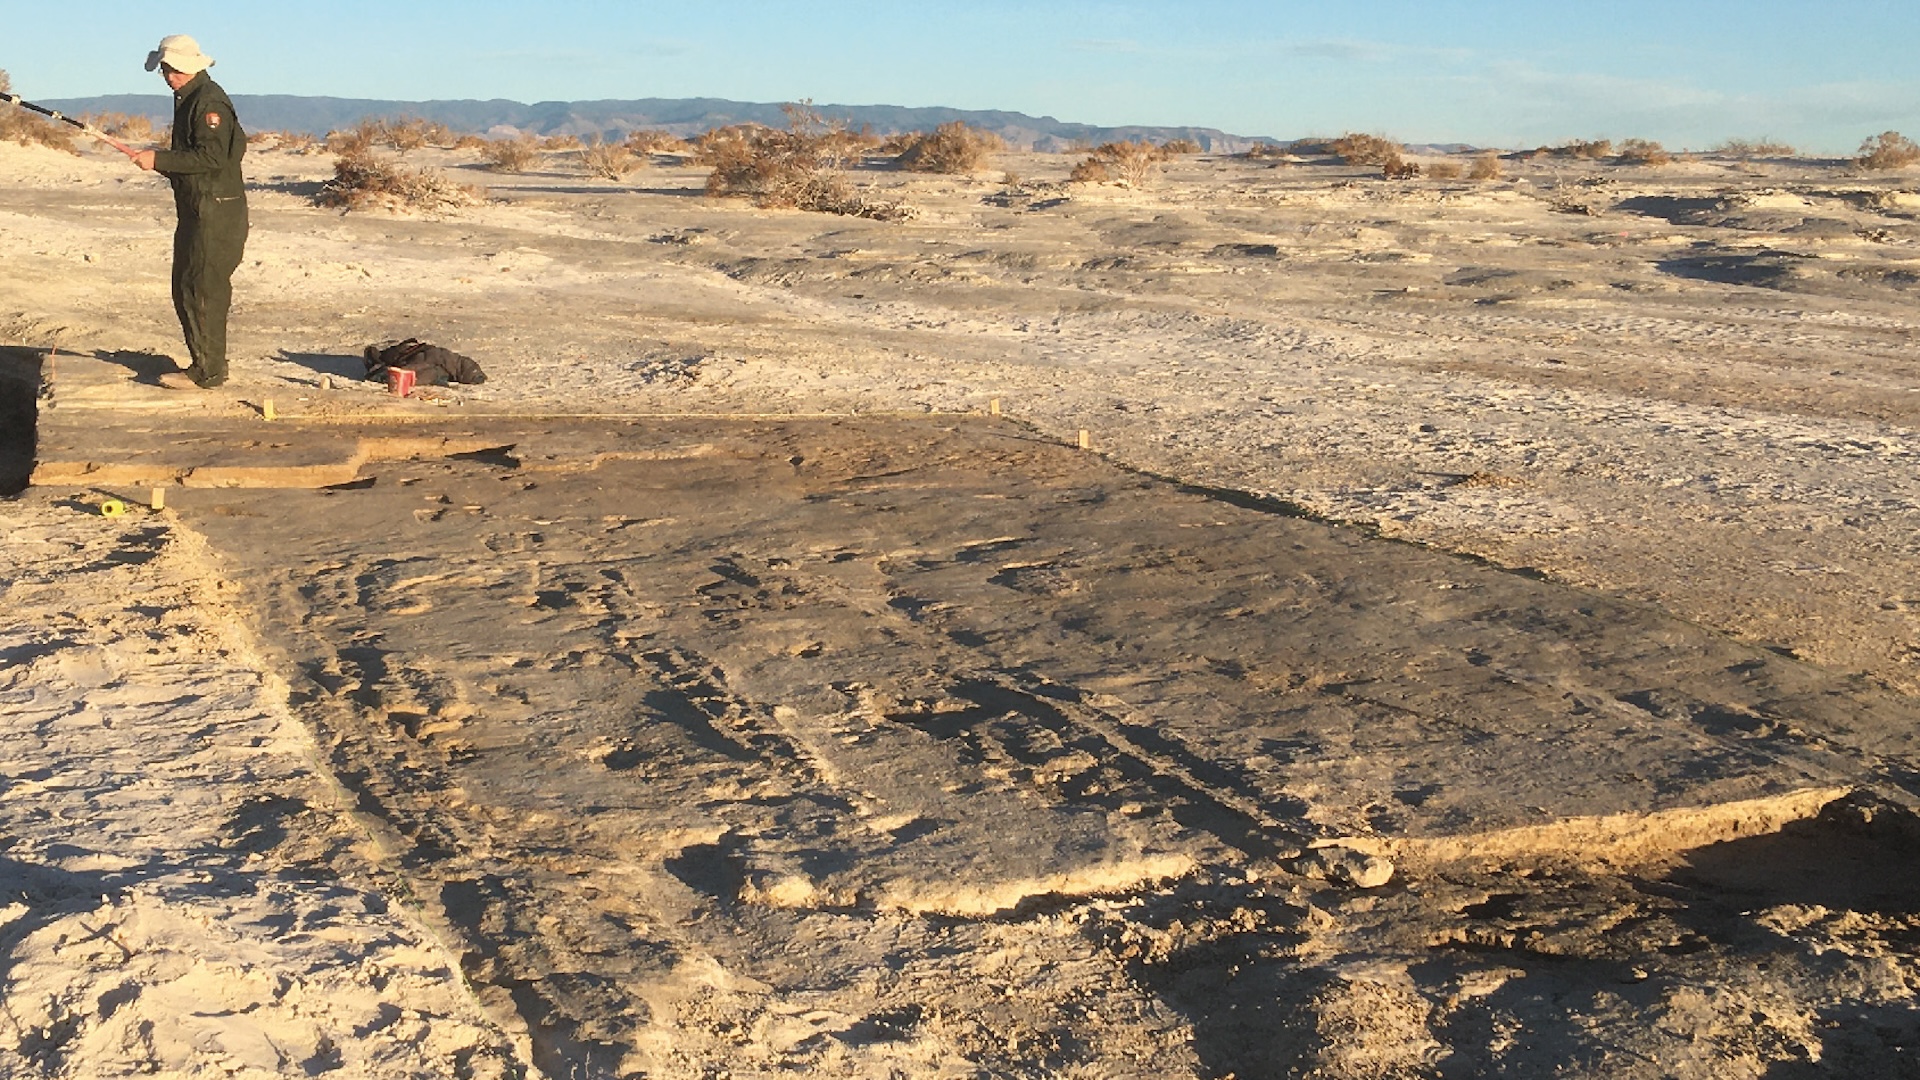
{"points": [[213, 119]]}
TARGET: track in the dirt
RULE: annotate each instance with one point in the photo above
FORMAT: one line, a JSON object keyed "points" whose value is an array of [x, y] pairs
{"points": [[824, 718]]}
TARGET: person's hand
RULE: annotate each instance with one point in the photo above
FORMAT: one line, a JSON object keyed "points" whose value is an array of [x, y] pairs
{"points": [[143, 158]]}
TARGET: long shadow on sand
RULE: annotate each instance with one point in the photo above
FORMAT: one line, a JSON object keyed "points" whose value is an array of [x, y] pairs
{"points": [[146, 366], [334, 364]]}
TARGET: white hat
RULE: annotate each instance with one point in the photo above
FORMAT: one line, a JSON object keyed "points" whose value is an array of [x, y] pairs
{"points": [[181, 53]]}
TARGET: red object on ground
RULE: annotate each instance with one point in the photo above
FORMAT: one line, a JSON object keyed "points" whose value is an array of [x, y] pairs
{"points": [[400, 381]]}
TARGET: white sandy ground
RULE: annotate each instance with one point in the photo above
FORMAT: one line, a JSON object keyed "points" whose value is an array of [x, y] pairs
{"points": [[1693, 387], [152, 767]]}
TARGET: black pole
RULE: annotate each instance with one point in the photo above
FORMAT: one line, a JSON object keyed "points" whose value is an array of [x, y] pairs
{"points": [[16, 99]]}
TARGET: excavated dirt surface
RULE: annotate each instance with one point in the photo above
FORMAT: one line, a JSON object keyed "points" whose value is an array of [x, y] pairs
{"points": [[1479, 641], [936, 748]]}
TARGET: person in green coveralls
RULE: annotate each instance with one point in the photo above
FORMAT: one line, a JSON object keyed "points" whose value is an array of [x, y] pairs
{"points": [[210, 204]]}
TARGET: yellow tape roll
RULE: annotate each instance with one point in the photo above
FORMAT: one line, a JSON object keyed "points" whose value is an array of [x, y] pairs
{"points": [[112, 508]]}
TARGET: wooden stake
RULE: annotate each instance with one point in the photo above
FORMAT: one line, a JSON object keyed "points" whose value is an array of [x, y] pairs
{"points": [[1086, 439], [993, 407], [266, 409], [159, 500]]}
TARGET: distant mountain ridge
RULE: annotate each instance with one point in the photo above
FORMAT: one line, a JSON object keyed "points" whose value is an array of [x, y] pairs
{"points": [[681, 116]]}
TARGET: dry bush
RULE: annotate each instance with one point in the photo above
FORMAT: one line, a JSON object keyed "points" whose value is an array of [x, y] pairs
{"points": [[1090, 171], [360, 181], [726, 143], [1485, 167], [1357, 149], [515, 155], [1129, 163], [1398, 168], [123, 126], [404, 134], [356, 141], [1588, 149], [847, 145], [1644, 152], [950, 148], [1888, 150], [1262, 150], [1180, 146], [29, 128], [610, 161], [561, 142], [656, 142], [293, 142], [797, 168], [1444, 170], [1752, 148]]}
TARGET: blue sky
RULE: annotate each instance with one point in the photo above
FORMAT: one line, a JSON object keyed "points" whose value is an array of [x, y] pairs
{"points": [[1689, 73]]}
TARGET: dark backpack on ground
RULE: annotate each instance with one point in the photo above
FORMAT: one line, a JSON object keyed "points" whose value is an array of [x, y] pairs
{"points": [[431, 365]]}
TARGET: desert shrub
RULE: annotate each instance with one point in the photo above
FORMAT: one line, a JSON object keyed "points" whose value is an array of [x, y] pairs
{"points": [[1752, 148], [1261, 150], [1644, 152], [514, 155], [1485, 167], [561, 142], [610, 161], [404, 134], [656, 142], [356, 141], [1587, 149], [1398, 168], [1129, 163], [798, 167], [123, 126], [1444, 170], [1090, 171], [360, 181], [848, 144], [1180, 146], [1357, 149], [29, 128], [949, 148], [293, 142], [1888, 150], [726, 143]]}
